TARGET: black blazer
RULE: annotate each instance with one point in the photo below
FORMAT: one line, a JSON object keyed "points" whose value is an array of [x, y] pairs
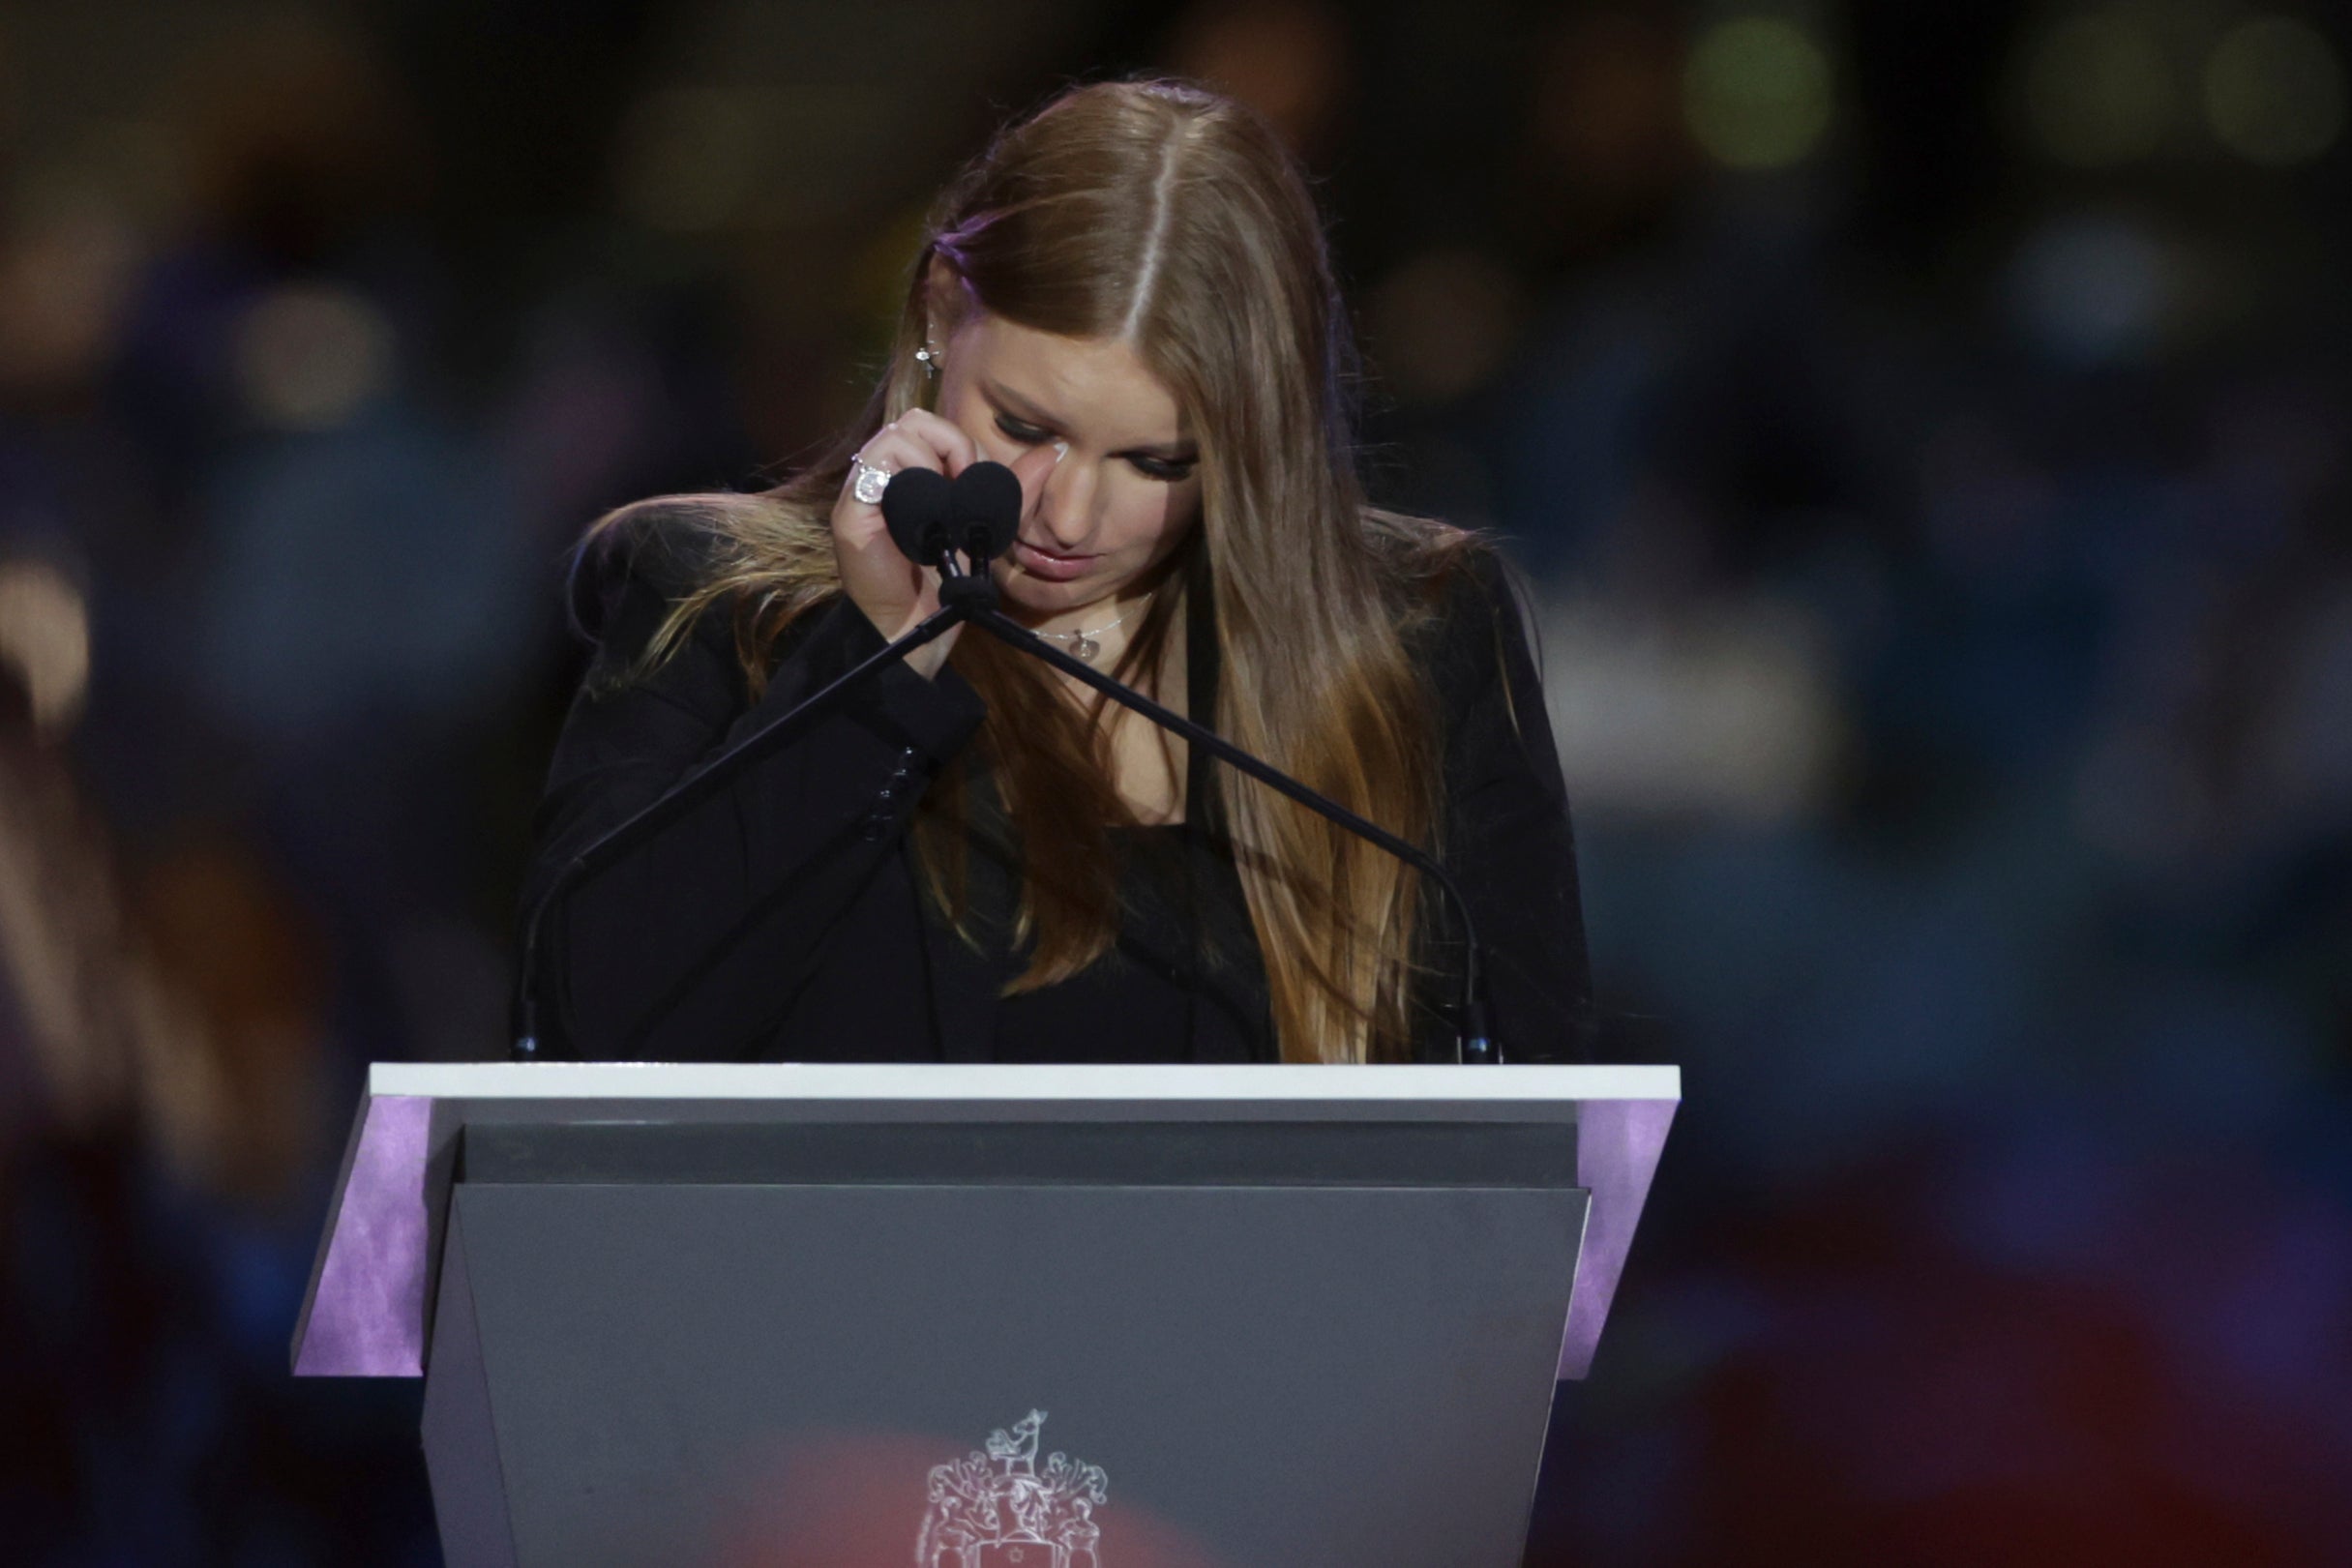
{"points": [[782, 917]]}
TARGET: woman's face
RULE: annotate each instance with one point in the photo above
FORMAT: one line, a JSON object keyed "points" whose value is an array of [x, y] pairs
{"points": [[1126, 487]]}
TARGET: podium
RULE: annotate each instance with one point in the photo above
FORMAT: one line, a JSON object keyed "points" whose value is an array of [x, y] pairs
{"points": [[982, 1317]]}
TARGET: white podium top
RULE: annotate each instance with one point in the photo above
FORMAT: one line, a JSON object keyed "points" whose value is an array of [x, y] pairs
{"points": [[991, 1081]]}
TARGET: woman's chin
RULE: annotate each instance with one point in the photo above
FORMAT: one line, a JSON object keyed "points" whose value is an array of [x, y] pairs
{"points": [[1028, 598]]}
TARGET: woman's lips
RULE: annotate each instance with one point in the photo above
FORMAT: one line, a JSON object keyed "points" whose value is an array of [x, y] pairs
{"points": [[1049, 566]]}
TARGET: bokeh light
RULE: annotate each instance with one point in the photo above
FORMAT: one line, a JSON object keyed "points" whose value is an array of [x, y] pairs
{"points": [[2275, 92], [1727, 716], [1758, 93], [2094, 288], [44, 640], [1442, 323], [64, 276], [703, 161], [1608, 119], [690, 158], [2099, 91], [1287, 60], [311, 357]]}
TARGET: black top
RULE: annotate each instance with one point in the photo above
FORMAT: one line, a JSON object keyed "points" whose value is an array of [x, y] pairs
{"points": [[1156, 995], [782, 916]]}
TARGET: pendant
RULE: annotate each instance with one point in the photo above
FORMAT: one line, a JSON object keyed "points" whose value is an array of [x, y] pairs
{"points": [[1086, 647]]}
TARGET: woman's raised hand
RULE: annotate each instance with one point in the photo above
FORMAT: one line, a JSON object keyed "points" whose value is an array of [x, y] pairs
{"points": [[894, 593]]}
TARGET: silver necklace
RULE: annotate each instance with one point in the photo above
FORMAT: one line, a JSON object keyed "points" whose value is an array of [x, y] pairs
{"points": [[1085, 645]]}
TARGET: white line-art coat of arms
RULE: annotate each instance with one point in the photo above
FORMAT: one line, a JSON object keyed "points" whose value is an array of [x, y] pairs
{"points": [[1003, 1510]]}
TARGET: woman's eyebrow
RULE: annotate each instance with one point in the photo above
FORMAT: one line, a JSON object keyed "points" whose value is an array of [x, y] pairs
{"points": [[1020, 408]]}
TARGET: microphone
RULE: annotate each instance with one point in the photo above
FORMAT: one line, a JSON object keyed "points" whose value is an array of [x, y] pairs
{"points": [[916, 505], [928, 515], [987, 512], [984, 512]]}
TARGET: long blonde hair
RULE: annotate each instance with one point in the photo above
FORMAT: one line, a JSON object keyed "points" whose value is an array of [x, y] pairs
{"points": [[1176, 220]]}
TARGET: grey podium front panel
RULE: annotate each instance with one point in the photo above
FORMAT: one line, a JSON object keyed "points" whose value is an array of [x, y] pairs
{"points": [[1273, 1377]]}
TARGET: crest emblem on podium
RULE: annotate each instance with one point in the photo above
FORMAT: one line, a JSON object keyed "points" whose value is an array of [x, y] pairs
{"points": [[1002, 1509]]}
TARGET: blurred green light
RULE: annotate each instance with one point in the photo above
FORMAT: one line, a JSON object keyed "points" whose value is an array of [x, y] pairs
{"points": [[2099, 91], [1757, 93], [2275, 92]]}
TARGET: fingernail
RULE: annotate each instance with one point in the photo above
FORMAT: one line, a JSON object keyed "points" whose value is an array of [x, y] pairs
{"points": [[1061, 450]]}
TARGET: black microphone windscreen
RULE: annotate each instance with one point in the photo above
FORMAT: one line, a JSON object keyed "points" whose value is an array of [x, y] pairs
{"points": [[987, 509], [915, 505]]}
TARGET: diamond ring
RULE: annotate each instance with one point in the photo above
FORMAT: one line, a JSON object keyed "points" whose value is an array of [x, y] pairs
{"points": [[870, 481]]}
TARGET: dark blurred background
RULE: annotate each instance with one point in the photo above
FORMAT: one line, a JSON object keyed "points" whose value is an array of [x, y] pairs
{"points": [[1925, 425]]}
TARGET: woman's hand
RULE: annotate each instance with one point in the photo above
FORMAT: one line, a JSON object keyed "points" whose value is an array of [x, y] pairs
{"points": [[894, 593]]}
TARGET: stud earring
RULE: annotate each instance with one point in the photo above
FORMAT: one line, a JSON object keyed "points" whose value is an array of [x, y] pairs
{"points": [[931, 359]]}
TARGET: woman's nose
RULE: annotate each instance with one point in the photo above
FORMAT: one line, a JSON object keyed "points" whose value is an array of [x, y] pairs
{"points": [[1063, 498]]}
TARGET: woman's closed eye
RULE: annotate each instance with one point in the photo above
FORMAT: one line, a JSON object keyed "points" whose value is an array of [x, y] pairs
{"points": [[1028, 435], [1169, 470]]}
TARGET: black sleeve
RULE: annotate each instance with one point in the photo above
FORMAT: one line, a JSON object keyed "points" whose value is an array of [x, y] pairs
{"points": [[690, 945], [1506, 836]]}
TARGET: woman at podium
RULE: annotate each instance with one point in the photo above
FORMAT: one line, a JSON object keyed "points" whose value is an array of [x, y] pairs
{"points": [[1127, 300]]}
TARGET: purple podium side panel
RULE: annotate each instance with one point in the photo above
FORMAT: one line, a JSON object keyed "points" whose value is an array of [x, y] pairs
{"points": [[367, 1313], [1618, 1143]]}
